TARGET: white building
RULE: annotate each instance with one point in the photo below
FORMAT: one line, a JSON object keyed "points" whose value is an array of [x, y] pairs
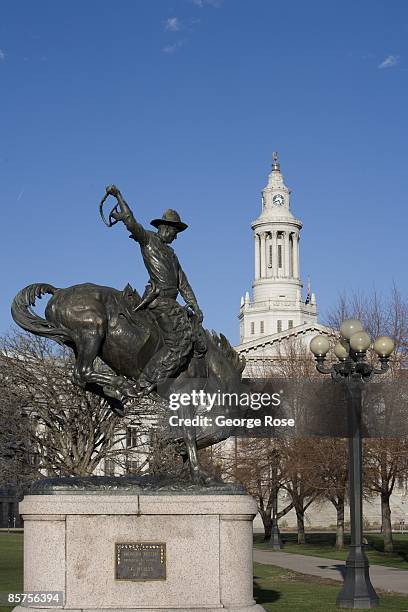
{"points": [[277, 309]]}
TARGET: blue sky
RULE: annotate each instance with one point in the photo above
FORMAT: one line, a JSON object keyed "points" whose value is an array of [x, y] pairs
{"points": [[181, 103]]}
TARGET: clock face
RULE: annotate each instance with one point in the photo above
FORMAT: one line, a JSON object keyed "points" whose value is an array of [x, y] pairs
{"points": [[278, 199]]}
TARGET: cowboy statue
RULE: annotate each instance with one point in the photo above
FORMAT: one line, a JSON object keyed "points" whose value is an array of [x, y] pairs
{"points": [[180, 327], [143, 340]]}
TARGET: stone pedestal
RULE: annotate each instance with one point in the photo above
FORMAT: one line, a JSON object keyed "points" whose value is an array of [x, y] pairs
{"points": [[70, 546]]}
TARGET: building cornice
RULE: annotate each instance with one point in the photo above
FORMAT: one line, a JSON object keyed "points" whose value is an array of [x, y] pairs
{"points": [[299, 330], [275, 221]]}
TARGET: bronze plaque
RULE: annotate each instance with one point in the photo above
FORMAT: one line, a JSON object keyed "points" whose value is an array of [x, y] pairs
{"points": [[140, 561]]}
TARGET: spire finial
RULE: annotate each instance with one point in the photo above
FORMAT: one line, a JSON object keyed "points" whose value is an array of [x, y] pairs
{"points": [[275, 162]]}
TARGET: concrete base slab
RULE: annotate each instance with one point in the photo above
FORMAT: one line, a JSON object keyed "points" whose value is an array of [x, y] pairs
{"points": [[71, 545], [253, 608]]}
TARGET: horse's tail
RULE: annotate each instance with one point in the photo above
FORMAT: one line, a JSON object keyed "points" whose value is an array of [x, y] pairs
{"points": [[25, 317]]}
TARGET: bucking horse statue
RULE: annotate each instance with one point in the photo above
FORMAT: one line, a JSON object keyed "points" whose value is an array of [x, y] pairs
{"points": [[151, 343]]}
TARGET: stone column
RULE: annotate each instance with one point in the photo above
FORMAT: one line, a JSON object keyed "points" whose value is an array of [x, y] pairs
{"points": [[286, 254], [256, 243], [236, 535], [268, 237], [298, 254], [263, 262], [44, 553], [274, 253], [292, 253], [266, 254], [295, 255]]}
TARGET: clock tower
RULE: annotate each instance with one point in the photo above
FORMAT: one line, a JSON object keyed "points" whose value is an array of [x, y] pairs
{"points": [[277, 304]]}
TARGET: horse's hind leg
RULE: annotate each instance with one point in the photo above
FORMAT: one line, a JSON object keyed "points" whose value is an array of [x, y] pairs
{"points": [[197, 473], [87, 349]]}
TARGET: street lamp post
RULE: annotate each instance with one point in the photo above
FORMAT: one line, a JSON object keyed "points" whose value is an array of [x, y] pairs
{"points": [[275, 541], [354, 371]]}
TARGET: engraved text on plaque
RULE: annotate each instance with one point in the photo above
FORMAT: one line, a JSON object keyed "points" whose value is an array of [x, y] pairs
{"points": [[140, 561]]}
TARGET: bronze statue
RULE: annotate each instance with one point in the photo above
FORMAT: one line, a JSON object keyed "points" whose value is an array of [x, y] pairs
{"points": [[167, 280], [145, 341]]}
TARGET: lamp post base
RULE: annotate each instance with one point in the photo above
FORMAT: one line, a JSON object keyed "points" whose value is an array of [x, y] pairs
{"points": [[275, 541], [357, 591]]}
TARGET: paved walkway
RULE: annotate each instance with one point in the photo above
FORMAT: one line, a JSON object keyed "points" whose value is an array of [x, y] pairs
{"points": [[383, 578]]}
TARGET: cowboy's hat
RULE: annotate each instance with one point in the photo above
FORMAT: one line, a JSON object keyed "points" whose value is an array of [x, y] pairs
{"points": [[170, 217]]}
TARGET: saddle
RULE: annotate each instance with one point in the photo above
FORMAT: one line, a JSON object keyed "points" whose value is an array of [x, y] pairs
{"points": [[131, 303]]}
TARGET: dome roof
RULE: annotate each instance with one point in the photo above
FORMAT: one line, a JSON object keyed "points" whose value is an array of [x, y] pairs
{"points": [[276, 199]]}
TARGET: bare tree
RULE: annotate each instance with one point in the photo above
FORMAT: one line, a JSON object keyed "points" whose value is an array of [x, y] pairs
{"points": [[331, 455], [62, 429], [251, 463], [16, 465], [300, 465], [386, 462]]}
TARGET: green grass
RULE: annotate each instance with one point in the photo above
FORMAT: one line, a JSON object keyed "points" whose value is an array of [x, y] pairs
{"points": [[11, 563], [274, 588], [278, 589], [323, 545]]}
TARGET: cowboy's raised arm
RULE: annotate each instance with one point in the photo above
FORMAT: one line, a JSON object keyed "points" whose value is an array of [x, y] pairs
{"points": [[187, 294], [137, 231]]}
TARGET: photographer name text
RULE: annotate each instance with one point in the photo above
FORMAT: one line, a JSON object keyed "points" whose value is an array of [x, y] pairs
{"points": [[223, 421]]}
